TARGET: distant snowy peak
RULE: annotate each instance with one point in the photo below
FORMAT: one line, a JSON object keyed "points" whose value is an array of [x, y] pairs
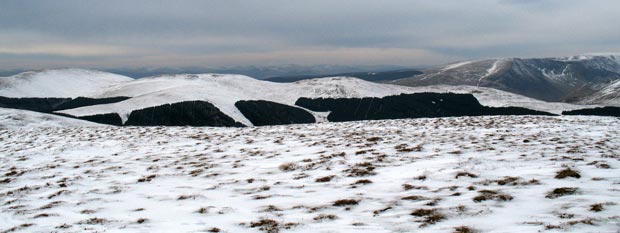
{"points": [[58, 83]]}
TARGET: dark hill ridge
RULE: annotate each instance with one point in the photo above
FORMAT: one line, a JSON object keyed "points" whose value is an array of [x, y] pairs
{"points": [[49, 105], [261, 113], [605, 111], [188, 113], [106, 119], [44, 105], [84, 101], [368, 76], [407, 106]]}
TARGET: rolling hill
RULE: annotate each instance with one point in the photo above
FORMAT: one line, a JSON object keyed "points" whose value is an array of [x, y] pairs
{"points": [[237, 100]]}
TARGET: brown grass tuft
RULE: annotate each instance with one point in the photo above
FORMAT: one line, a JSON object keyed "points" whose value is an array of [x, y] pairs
{"points": [[470, 175], [464, 229], [267, 225], [558, 192], [346, 202], [597, 207], [287, 167], [325, 179], [431, 216], [567, 173]]}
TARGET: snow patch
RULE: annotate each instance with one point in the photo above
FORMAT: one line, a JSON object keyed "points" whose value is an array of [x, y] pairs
{"points": [[491, 71]]}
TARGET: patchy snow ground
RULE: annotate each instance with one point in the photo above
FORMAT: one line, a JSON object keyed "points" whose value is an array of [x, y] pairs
{"points": [[490, 174]]}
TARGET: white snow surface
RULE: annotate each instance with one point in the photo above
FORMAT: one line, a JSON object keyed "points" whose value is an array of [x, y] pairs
{"points": [[58, 83], [491, 174], [16, 119], [224, 90]]}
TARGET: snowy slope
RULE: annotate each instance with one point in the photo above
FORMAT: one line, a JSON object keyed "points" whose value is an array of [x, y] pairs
{"points": [[15, 119], [225, 90], [490, 174], [58, 83], [609, 96]]}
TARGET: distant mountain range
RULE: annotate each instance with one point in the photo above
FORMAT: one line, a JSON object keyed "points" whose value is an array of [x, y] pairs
{"points": [[482, 87], [591, 79], [259, 72], [378, 76], [237, 100]]}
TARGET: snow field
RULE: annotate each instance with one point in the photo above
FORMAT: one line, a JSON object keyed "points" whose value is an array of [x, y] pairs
{"points": [[488, 174]]}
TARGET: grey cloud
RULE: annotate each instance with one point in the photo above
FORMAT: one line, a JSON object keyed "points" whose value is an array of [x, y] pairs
{"points": [[188, 30]]}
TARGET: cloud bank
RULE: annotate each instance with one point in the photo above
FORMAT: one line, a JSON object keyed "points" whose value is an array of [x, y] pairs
{"points": [[119, 33]]}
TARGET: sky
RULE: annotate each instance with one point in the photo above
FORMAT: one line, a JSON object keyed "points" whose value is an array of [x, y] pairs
{"points": [[212, 33]]}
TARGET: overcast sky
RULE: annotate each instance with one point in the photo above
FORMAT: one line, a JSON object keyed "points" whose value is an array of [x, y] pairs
{"points": [[212, 33]]}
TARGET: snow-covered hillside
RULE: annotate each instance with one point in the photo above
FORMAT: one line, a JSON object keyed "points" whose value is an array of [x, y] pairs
{"points": [[471, 174], [16, 119], [552, 79], [610, 95], [225, 90], [58, 83]]}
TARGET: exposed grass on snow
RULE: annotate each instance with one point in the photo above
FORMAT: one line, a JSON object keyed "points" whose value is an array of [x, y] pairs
{"points": [[469, 174]]}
